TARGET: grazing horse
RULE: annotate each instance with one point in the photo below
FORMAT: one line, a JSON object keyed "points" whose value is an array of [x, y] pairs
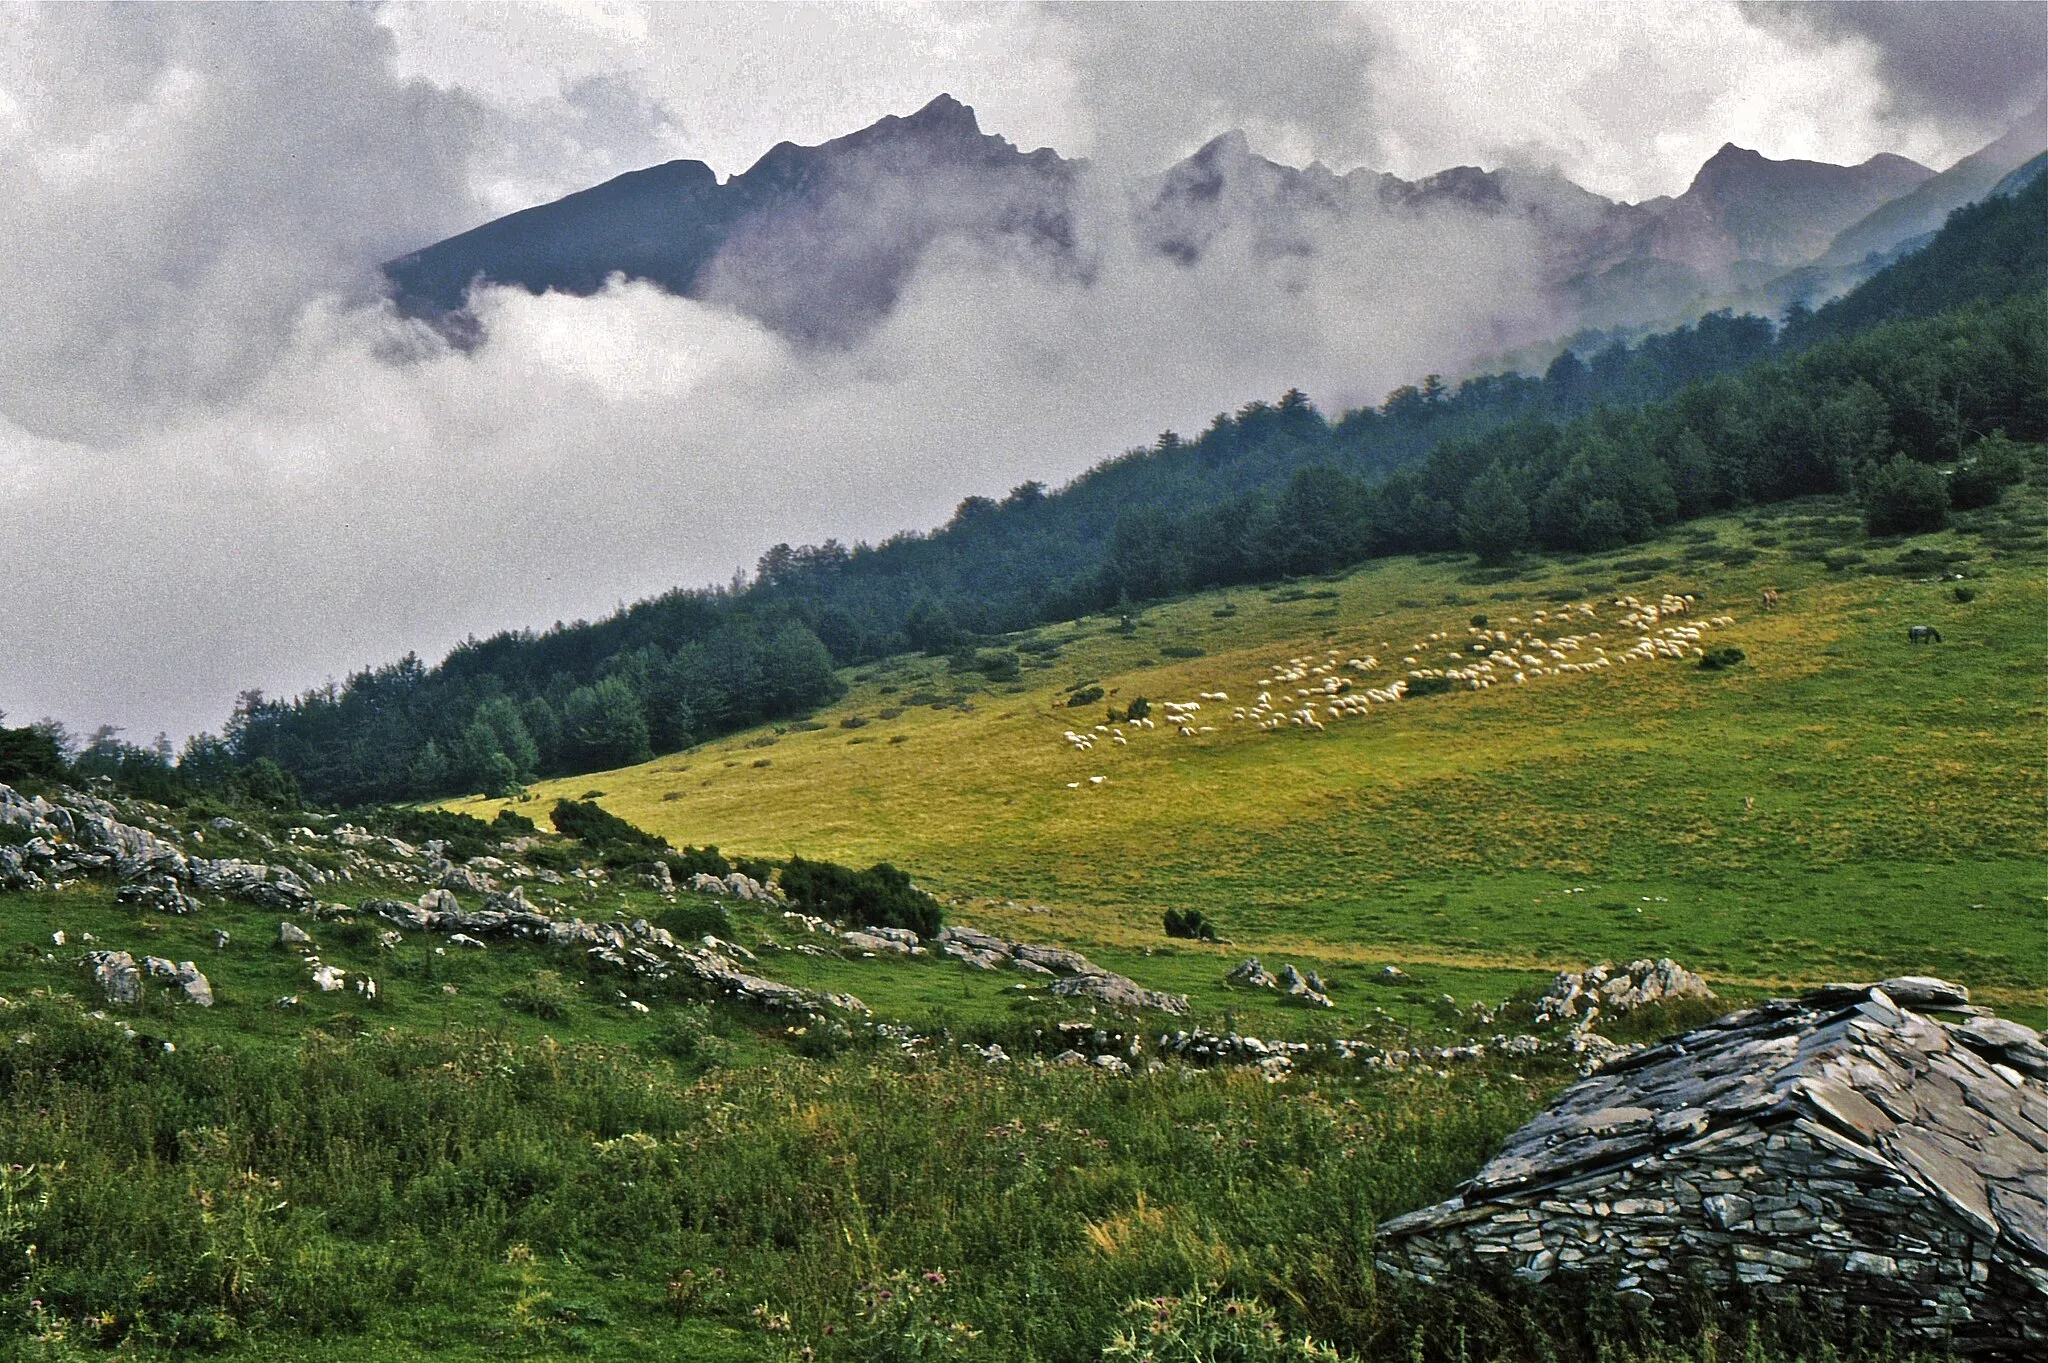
{"points": [[1770, 598], [1923, 634]]}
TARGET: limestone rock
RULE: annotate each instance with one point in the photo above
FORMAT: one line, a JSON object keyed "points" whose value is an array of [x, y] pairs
{"points": [[162, 895], [1250, 974], [1618, 990], [293, 936], [198, 990], [252, 882], [1107, 987], [116, 974], [462, 878], [1299, 988]]}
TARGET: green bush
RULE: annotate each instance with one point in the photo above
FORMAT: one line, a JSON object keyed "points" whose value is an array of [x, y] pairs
{"points": [[598, 828], [1992, 465], [1429, 686], [695, 916], [880, 896], [1086, 696], [1965, 595], [466, 837], [999, 665], [559, 857], [542, 994], [1720, 659], [1904, 497], [1189, 925], [511, 825]]}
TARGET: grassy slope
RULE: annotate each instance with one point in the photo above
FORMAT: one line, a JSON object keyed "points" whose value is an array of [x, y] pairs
{"points": [[1897, 790]]}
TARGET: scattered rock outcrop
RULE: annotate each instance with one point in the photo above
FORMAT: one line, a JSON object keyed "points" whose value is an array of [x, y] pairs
{"points": [[1073, 975], [117, 975], [185, 975], [1251, 975], [1580, 995], [1842, 1149]]}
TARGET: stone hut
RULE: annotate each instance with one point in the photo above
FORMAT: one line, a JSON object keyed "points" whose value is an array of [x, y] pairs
{"points": [[1850, 1148]]}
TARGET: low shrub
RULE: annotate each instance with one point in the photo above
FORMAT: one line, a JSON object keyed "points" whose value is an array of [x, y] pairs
{"points": [[1720, 659], [880, 896], [1993, 465], [1965, 595], [598, 828], [559, 857], [542, 994], [465, 837], [1904, 497], [695, 916], [1189, 925], [1429, 686], [1087, 695], [511, 825]]}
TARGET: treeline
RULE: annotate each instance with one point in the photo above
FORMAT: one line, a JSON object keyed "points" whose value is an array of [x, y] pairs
{"points": [[1867, 394], [655, 678], [1872, 414], [1035, 555]]}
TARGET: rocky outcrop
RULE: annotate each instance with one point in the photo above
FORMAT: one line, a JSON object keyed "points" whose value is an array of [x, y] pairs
{"points": [[1105, 986], [1582, 995], [117, 975], [737, 885], [1842, 1149], [1073, 975], [894, 941], [637, 948], [185, 976], [1249, 974], [252, 882]]}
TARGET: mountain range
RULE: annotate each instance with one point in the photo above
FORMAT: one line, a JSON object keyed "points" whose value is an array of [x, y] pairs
{"points": [[818, 242]]}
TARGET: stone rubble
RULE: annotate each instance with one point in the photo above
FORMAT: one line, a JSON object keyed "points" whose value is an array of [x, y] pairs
{"points": [[1579, 995], [1073, 975], [1842, 1149]]}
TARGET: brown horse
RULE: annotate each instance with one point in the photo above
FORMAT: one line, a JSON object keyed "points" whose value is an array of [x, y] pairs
{"points": [[1770, 598]]}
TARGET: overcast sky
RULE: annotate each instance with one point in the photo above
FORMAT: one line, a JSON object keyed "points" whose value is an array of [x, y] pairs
{"points": [[223, 464]]}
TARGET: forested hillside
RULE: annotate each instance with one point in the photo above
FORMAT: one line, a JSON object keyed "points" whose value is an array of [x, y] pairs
{"points": [[1872, 394]]}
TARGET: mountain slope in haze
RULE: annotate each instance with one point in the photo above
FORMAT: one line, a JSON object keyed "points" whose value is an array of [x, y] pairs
{"points": [[1928, 205], [813, 241], [817, 242], [2020, 179]]}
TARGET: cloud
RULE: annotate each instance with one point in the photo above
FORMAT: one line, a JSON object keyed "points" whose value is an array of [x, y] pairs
{"points": [[1157, 81], [1978, 63], [178, 180]]}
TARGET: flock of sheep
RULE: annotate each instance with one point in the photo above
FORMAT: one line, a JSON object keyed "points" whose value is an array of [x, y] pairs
{"points": [[1310, 692]]}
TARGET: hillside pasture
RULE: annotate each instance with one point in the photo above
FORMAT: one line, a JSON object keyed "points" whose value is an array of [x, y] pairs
{"points": [[1838, 804]]}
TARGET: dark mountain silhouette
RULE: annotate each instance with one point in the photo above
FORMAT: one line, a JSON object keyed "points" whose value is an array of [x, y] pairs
{"points": [[813, 241]]}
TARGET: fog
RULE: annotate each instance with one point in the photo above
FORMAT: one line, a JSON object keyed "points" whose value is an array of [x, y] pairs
{"points": [[225, 463]]}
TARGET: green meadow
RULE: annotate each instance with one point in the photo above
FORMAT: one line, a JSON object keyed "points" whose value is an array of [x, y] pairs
{"points": [[1842, 804]]}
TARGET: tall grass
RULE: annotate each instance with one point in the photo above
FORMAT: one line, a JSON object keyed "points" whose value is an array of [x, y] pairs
{"points": [[544, 1195]]}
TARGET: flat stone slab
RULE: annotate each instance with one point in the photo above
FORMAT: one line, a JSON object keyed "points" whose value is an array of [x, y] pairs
{"points": [[1843, 1148]]}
